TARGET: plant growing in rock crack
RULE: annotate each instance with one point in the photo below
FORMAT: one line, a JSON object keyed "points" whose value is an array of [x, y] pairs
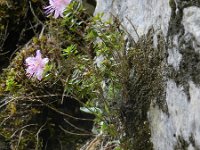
{"points": [[86, 74]]}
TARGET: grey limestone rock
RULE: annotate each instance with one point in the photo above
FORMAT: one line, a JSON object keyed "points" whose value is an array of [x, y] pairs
{"points": [[176, 125]]}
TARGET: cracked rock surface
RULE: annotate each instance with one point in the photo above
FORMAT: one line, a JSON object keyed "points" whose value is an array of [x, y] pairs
{"points": [[176, 125]]}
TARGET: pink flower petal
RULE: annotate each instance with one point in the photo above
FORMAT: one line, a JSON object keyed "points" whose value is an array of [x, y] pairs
{"points": [[38, 55], [35, 65], [29, 60], [45, 60], [56, 6], [39, 73], [56, 14]]}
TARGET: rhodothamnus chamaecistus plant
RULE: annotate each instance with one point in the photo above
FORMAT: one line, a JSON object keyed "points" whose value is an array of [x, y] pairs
{"points": [[57, 6], [35, 65]]}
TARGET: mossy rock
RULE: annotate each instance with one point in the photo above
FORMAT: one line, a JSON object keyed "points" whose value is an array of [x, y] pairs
{"points": [[19, 22], [36, 113]]}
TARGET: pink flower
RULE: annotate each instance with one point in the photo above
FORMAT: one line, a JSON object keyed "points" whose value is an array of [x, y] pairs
{"points": [[35, 65], [57, 6]]}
